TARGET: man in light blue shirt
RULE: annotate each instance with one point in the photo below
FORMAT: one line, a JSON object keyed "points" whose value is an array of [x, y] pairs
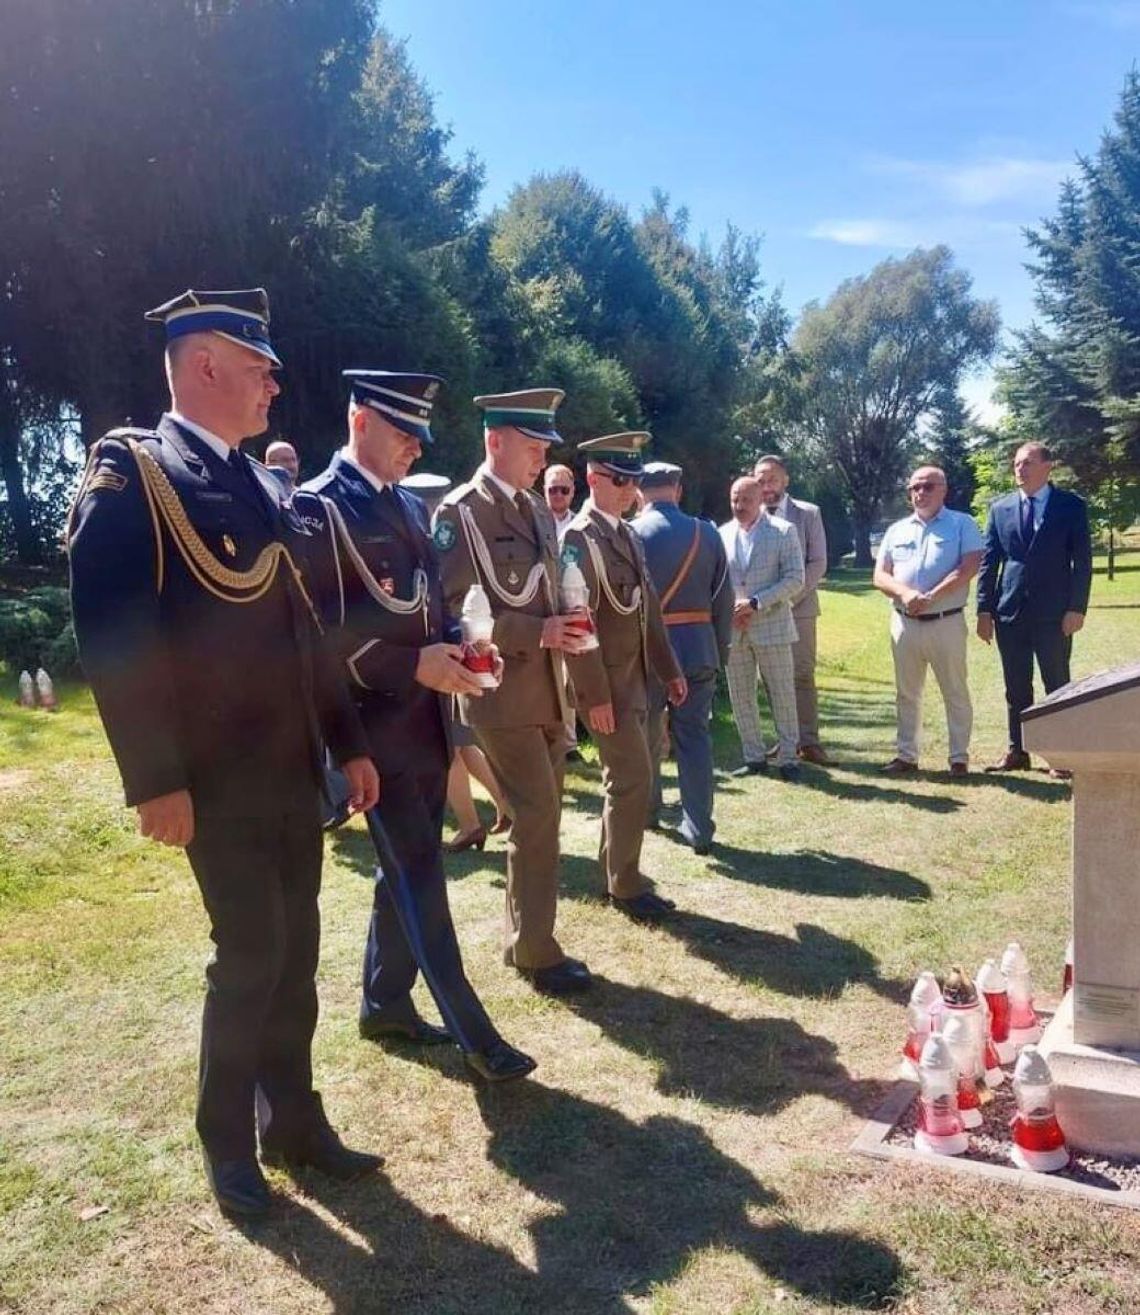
{"points": [[925, 565]]}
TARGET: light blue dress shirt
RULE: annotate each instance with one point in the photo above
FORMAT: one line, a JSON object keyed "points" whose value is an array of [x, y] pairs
{"points": [[921, 553]]}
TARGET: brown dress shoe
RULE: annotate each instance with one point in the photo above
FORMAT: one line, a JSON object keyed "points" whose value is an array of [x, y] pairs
{"points": [[900, 767], [959, 769], [1060, 774], [1013, 760], [813, 753]]}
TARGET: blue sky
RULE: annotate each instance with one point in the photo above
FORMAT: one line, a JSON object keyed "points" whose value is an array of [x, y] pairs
{"points": [[841, 132]]}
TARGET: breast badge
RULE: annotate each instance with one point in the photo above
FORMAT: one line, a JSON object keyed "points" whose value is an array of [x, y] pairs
{"points": [[229, 545]]}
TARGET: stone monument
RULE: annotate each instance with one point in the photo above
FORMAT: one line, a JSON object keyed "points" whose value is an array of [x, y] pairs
{"points": [[1092, 728]]}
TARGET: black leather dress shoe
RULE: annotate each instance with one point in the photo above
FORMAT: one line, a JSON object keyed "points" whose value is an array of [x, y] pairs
{"points": [[750, 769], [499, 1062], [316, 1146], [1013, 760], [646, 907], [791, 773], [238, 1186], [560, 978], [417, 1031]]}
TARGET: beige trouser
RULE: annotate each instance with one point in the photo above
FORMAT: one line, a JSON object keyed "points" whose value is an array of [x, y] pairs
{"points": [[627, 779], [773, 664], [940, 645], [803, 667], [528, 762]]}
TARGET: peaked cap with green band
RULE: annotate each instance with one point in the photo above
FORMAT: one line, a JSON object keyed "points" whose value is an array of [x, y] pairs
{"points": [[618, 453], [531, 412]]}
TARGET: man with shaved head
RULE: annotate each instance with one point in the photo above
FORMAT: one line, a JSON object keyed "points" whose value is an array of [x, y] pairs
{"points": [[213, 683], [281, 460], [925, 564], [766, 568]]}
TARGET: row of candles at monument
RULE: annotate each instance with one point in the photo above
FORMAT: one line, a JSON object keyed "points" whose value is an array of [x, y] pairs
{"points": [[958, 1038]]}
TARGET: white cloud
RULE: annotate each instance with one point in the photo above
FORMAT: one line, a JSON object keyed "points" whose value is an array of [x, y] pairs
{"points": [[984, 181], [977, 393], [866, 233], [954, 230]]}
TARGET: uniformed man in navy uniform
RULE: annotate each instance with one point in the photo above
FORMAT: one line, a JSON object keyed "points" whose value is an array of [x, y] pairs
{"points": [[380, 595], [686, 560], [216, 690]]}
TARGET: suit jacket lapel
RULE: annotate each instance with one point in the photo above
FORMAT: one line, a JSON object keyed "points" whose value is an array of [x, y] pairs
{"points": [[204, 461], [524, 525]]}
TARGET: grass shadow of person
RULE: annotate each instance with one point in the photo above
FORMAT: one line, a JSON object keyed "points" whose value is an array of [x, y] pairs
{"points": [[630, 1205], [817, 872], [813, 964], [388, 1254], [759, 1065]]}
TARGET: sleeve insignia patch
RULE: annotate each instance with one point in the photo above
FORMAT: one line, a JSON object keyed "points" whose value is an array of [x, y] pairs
{"points": [[444, 535], [571, 554], [106, 479]]}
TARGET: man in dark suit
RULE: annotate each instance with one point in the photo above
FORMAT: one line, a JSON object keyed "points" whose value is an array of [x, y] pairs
{"points": [[378, 586], [215, 691], [1033, 586], [686, 562]]}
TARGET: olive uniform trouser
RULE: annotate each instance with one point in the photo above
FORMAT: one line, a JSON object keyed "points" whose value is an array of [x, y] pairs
{"points": [[627, 779]]}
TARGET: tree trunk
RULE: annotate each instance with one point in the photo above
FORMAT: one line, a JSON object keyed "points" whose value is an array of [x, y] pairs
{"points": [[861, 534], [1111, 554], [28, 552]]}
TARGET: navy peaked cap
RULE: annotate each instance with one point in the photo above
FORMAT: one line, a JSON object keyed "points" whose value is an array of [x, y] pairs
{"points": [[240, 314], [404, 400], [659, 474]]}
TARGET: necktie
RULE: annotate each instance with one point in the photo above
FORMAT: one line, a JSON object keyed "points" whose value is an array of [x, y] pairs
{"points": [[1027, 520]]}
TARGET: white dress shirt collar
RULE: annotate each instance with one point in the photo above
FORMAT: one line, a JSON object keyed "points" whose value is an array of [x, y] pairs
{"points": [[378, 484], [217, 445], [508, 489]]}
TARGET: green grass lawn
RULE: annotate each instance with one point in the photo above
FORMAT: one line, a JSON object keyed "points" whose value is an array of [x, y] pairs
{"points": [[681, 1147]]}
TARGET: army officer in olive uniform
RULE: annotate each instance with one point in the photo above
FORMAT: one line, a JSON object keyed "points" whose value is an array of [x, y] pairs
{"points": [[495, 532], [611, 681], [215, 690], [382, 601]]}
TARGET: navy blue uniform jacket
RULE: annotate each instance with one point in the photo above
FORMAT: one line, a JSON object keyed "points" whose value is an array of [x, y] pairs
{"points": [[1044, 578], [408, 725], [229, 700]]}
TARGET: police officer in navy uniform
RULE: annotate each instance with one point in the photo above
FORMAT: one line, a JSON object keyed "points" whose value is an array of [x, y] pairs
{"points": [[216, 691], [686, 560], [377, 579]]}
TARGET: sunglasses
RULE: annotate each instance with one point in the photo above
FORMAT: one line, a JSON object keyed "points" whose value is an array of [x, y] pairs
{"points": [[923, 486], [560, 488], [620, 481]]}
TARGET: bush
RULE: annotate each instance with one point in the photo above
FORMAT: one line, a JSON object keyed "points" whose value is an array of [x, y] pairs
{"points": [[36, 631]]}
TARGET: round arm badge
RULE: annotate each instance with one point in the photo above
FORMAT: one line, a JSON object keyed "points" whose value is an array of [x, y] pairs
{"points": [[571, 554], [443, 536]]}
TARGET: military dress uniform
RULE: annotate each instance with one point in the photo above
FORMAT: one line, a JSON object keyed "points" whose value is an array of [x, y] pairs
{"points": [[378, 585], [506, 542], [633, 647], [210, 675], [687, 564]]}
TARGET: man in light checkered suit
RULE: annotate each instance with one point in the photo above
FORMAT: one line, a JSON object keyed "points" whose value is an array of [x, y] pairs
{"points": [[766, 567]]}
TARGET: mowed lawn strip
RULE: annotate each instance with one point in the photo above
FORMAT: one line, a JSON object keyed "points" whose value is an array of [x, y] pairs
{"points": [[681, 1147]]}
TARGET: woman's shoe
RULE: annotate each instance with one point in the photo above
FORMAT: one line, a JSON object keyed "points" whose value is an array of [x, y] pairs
{"points": [[474, 839], [503, 823]]}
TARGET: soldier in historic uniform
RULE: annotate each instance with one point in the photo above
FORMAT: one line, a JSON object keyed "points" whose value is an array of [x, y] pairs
{"points": [[611, 681], [687, 564], [381, 599], [493, 531], [215, 690]]}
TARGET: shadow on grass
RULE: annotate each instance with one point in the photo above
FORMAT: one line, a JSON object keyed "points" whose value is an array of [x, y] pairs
{"points": [[814, 963], [635, 1202], [760, 1065], [816, 872]]}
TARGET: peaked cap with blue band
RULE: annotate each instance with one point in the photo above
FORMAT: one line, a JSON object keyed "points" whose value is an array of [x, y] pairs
{"points": [[620, 454], [241, 314], [404, 400], [531, 412]]}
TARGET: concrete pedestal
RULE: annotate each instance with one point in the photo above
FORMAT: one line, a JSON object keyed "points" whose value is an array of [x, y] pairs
{"points": [[1098, 1090], [1092, 728]]}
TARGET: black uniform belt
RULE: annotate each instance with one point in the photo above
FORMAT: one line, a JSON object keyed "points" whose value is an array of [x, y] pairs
{"points": [[931, 616]]}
